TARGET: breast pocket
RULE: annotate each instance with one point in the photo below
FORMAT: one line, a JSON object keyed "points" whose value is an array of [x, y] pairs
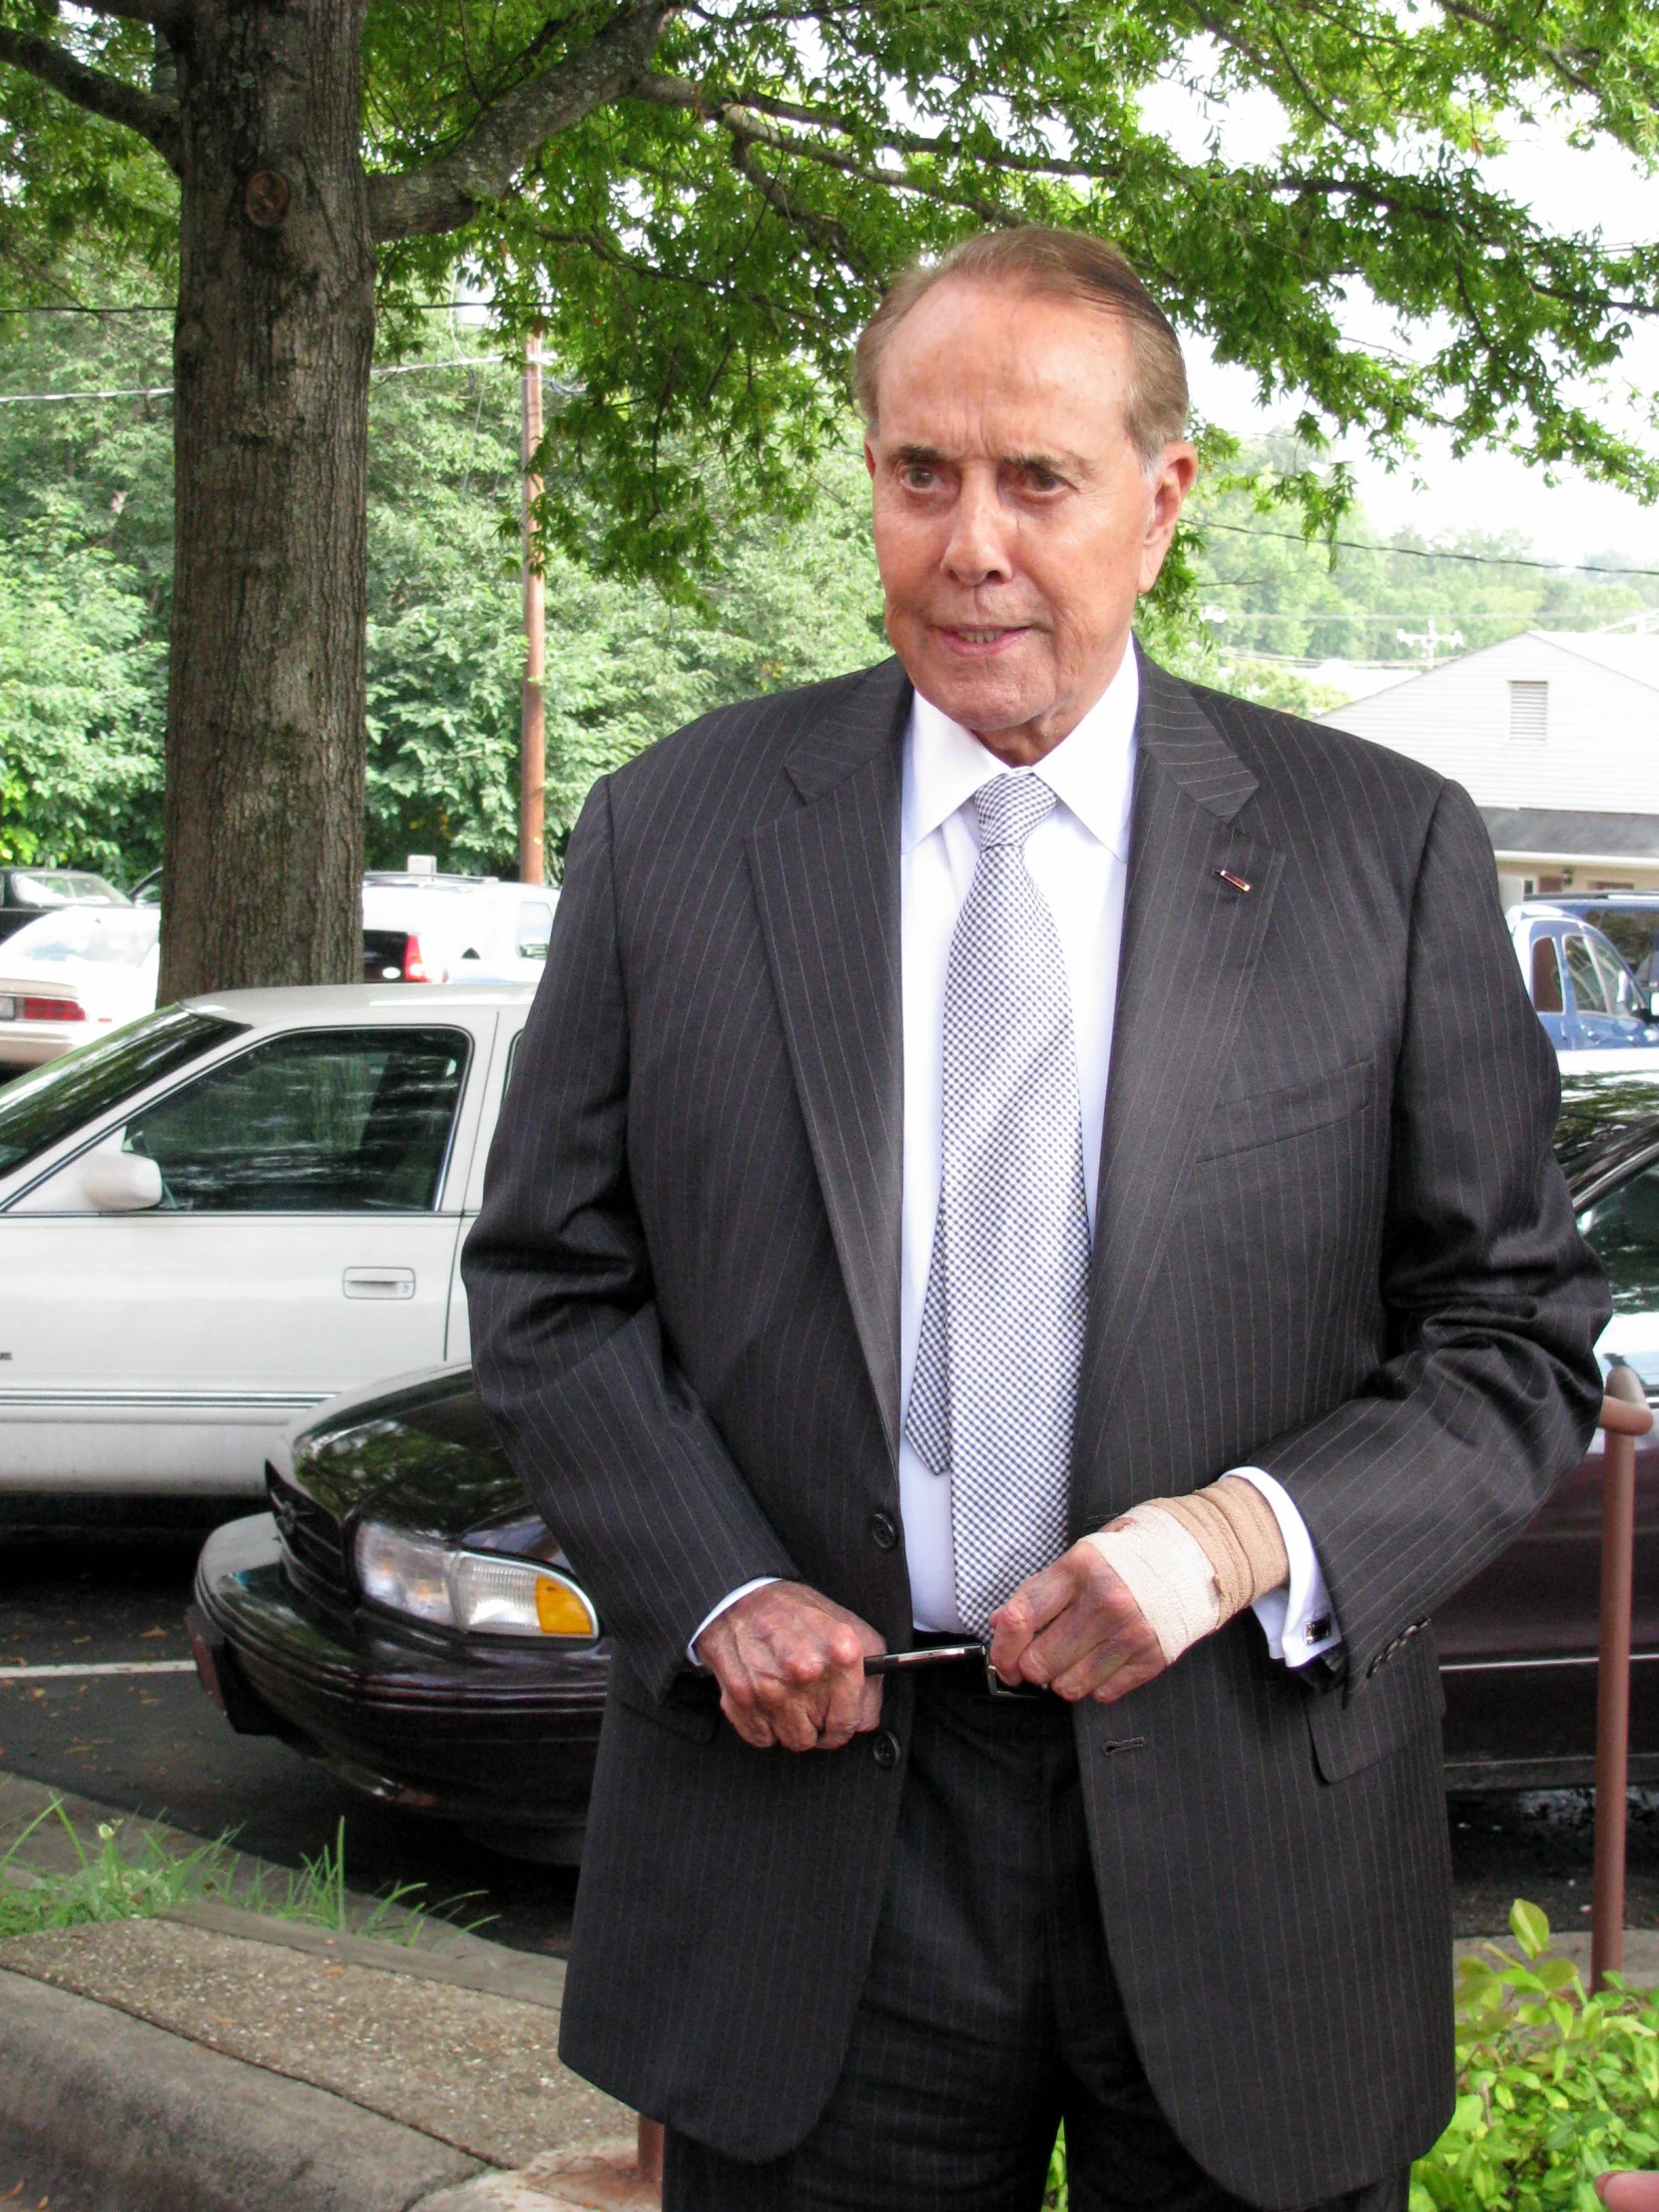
{"points": [[1294, 1110]]}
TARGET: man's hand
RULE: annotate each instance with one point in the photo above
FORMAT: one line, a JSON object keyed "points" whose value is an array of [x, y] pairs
{"points": [[1628, 2192], [1076, 1628], [791, 1667]]}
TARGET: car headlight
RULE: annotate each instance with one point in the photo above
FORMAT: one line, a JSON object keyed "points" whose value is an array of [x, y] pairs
{"points": [[477, 1592]]}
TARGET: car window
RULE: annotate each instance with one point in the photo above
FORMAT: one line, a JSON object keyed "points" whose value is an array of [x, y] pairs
{"points": [[45, 888], [95, 891], [1546, 976], [1624, 1228], [1588, 990], [1615, 980], [535, 929], [1632, 930], [39, 1110], [318, 1121]]}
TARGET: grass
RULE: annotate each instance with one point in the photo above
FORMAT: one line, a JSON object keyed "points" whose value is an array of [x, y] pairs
{"points": [[117, 1883], [106, 1884], [1055, 2198]]}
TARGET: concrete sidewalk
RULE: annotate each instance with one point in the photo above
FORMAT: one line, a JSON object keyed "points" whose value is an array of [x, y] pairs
{"points": [[218, 2060]]}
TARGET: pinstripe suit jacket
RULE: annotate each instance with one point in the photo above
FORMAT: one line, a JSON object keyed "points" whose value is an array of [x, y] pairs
{"points": [[1331, 1242]]}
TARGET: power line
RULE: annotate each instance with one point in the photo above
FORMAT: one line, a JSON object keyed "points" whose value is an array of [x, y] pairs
{"points": [[1422, 553], [171, 306], [1352, 614], [162, 391], [158, 308]]}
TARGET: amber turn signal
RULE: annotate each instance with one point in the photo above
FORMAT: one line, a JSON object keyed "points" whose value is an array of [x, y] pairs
{"points": [[562, 1611]]}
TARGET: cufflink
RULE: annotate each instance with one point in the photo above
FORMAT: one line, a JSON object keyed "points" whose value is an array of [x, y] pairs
{"points": [[1316, 1629]]}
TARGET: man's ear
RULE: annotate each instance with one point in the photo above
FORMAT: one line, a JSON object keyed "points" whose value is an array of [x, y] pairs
{"points": [[869, 460], [1171, 481]]}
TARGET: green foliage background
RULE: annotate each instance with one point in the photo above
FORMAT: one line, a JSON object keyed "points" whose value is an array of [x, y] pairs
{"points": [[86, 573], [1554, 2086]]}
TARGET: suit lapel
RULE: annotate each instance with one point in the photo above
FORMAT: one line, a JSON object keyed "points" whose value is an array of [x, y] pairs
{"points": [[1189, 944], [826, 881]]}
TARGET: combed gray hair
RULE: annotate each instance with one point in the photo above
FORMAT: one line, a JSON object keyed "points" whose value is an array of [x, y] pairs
{"points": [[1068, 265]]}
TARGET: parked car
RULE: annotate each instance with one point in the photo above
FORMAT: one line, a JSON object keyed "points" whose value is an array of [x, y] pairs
{"points": [[66, 975], [229, 1212], [426, 928], [1630, 919], [28, 891], [403, 1614], [1579, 982], [422, 928]]}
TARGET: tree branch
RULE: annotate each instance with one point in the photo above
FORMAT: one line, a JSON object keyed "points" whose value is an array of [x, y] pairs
{"points": [[781, 202], [449, 191], [153, 118], [681, 92], [1575, 77], [165, 16]]}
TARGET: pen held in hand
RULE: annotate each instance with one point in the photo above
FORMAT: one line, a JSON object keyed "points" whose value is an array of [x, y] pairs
{"points": [[931, 1655]]}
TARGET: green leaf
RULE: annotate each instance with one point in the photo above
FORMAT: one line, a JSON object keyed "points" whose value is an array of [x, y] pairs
{"points": [[1529, 1927]]}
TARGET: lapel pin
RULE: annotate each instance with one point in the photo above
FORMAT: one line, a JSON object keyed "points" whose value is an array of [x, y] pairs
{"points": [[1226, 876]]}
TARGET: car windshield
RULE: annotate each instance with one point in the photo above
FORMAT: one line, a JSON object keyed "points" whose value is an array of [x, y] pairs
{"points": [[43, 888], [1634, 930], [39, 1109], [123, 937]]}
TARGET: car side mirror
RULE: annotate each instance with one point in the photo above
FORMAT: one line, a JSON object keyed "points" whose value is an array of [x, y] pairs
{"points": [[122, 1182]]}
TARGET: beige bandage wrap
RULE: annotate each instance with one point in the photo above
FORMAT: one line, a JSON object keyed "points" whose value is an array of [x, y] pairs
{"points": [[1190, 1563]]}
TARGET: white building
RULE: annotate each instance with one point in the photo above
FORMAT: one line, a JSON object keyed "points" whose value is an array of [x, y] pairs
{"points": [[1555, 736]]}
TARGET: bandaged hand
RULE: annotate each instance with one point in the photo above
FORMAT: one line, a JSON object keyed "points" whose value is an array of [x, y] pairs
{"points": [[1190, 1563], [1116, 1608]]}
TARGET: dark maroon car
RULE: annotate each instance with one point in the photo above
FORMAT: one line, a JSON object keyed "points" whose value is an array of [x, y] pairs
{"points": [[1517, 1646], [403, 1614]]}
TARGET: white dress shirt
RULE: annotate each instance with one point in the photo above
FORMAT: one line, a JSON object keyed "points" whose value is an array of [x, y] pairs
{"points": [[1078, 858]]}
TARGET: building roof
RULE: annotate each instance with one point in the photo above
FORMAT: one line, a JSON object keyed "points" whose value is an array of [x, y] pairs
{"points": [[1626, 654], [1550, 835]]}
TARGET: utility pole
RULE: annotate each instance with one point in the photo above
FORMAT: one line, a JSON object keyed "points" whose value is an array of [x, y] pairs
{"points": [[532, 775]]}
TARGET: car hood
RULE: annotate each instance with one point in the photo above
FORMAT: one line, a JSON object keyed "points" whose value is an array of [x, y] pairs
{"points": [[1609, 1117], [420, 1455]]}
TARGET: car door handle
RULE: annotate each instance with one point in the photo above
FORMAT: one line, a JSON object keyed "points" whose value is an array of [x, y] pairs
{"points": [[379, 1283]]}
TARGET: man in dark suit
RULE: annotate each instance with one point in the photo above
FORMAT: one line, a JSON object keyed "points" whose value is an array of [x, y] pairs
{"points": [[1013, 1147]]}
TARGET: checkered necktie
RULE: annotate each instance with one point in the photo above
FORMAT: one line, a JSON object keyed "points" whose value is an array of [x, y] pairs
{"points": [[994, 1393]]}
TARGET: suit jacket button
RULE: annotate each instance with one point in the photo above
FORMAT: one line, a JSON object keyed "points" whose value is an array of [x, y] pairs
{"points": [[884, 1749], [883, 1530]]}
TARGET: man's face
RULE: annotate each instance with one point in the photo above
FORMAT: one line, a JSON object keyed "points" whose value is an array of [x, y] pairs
{"points": [[1015, 523]]}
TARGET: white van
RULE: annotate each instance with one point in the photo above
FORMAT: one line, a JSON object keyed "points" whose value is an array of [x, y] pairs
{"points": [[424, 927]]}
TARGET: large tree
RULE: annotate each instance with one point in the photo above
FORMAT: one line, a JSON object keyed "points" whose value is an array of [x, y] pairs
{"points": [[698, 203]]}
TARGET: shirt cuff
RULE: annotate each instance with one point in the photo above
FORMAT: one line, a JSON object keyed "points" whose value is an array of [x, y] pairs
{"points": [[759, 1583], [1297, 1619]]}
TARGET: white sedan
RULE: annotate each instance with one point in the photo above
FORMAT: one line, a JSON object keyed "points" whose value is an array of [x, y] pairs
{"points": [[71, 973], [229, 1210]]}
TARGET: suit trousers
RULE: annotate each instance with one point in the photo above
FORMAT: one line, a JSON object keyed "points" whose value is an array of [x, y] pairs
{"points": [[990, 2014]]}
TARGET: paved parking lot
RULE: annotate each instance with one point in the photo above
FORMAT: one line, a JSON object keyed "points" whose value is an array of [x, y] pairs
{"points": [[113, 1595], [114, 1592]]}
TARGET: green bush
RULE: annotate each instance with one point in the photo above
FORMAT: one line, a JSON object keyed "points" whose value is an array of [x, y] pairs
{"points": [[1553, 2087]]}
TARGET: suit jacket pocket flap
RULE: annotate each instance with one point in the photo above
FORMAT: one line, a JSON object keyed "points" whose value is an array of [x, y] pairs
{"points": [[1403, 1698], [1269, 1117]]}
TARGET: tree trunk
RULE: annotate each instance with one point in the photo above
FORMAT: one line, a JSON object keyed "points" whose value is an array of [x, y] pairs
{"points": [[262, 858]]}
